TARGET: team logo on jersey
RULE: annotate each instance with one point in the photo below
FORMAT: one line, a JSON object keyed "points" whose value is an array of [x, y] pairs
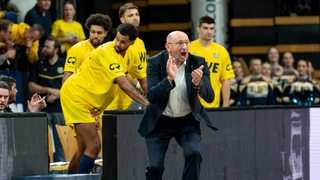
{"points": [[114, 66], [60, 70], [71, 60], [229, 67], [216, 55], [143, 56]]}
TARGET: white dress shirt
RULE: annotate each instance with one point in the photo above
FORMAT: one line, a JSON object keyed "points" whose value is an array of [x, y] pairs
{"points": [[178, 104]]}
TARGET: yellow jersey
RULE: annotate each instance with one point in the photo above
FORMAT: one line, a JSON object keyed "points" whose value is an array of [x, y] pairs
{"points": [[89, 91], [220, 67], [140, 49], [134, 65], [18, 37], [63, 29], [77, 54]]}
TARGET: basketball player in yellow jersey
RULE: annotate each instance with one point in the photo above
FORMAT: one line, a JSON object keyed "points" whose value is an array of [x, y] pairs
{"points": [[218, 60], [88, 92], [98, 25], [129, 13], [132, 67]]}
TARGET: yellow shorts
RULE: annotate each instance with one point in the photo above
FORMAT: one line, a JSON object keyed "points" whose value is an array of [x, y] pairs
{"points": [[74, 112]]}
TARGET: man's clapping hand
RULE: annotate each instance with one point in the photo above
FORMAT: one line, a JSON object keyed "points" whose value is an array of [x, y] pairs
{"points": [[171, 68], [197, 75]]}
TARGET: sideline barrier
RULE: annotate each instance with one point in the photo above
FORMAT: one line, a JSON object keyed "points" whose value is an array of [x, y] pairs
{"points": [[61, 177], [23, 144], [252, 143]]}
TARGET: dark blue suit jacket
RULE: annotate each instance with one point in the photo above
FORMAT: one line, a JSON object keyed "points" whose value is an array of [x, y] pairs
{"points": [[158, 90]]}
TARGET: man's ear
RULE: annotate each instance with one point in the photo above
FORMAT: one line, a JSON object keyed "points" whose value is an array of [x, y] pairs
{"points": [[198, 29], [167, 47], [122, 20]]}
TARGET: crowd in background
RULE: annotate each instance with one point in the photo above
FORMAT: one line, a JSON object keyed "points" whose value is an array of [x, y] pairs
{"points": [[21, 45], [276, 80]]}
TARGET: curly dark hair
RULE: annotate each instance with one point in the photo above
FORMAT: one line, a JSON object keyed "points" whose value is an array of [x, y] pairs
{"points": [[99, 20]]}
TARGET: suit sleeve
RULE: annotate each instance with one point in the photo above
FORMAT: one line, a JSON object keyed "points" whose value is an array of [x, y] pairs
{"points": [[206, 91], [158, 85]]}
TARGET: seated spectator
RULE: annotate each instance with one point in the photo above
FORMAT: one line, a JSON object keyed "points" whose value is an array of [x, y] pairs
{"points": [[257, 90], [13, 90], [4, 96], [255, 68], [266, 71], [287, 62], [301, 91], [46, 80], [26, 44], [35, 104], [313, 80], [7, 53], [67, 30], [277, 88], [40, 14], [311, 72], [289, 72], [273, 58], [240, 70]]}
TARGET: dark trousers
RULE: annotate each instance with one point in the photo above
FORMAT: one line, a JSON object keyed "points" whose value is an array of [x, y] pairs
{"points": [[186, 131]]}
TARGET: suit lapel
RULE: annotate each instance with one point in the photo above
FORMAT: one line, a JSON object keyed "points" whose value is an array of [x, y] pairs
{"points": [[164, 64], [188, 70]]}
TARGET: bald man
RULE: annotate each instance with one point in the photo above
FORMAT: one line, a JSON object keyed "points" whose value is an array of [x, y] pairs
{"points": [[175, 79]]}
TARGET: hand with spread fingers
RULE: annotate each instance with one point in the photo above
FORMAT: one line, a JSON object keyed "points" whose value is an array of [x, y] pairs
{"points": [[171, 68]]}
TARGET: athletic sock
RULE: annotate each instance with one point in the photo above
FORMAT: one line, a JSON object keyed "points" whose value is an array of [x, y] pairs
{"points": [[86, 164]]}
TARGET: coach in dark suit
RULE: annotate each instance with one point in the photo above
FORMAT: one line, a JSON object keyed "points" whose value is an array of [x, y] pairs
{"points": [[175, 78]]}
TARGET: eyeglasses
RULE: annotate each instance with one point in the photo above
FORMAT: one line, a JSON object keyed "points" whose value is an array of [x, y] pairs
{"points": [[181, 43]]}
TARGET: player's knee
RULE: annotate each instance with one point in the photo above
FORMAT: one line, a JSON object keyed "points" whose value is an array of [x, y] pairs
{"points": [[95, 148]]}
